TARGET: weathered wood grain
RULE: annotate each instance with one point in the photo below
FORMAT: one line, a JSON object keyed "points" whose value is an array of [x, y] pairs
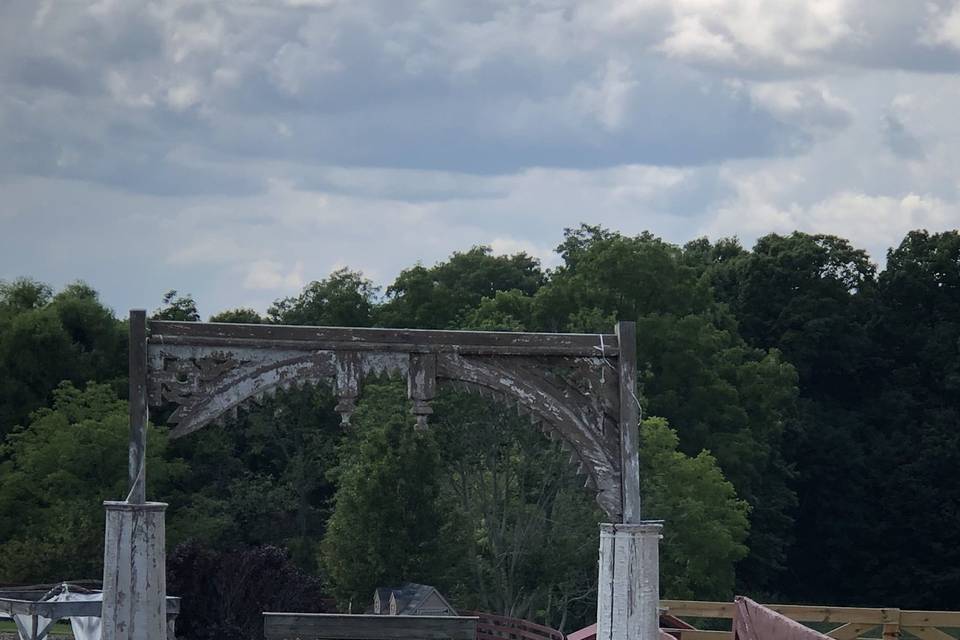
{"points": [[327, 626], [422, 385], [575, 415], [138, 406], [364, 339], [629, 423]]}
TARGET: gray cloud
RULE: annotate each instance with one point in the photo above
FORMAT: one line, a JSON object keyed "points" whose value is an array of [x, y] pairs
{"points": [[899, 139], [252, 145]]}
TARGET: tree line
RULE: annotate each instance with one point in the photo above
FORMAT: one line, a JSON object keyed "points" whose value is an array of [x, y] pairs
{"points": [[800, 435]]}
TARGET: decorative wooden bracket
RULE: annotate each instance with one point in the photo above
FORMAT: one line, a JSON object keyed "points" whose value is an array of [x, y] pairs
{"points": [[577, 387], [347, 384], [422, 385]]}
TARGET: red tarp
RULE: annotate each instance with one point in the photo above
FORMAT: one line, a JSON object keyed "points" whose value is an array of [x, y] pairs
{"points": [[754, 621]]}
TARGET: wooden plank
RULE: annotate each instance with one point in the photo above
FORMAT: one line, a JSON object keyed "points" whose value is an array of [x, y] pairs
{"points": [[800, 613], [410, 340], [698, 609], [629, 423], [930, 618], [928, 633], [138, 406], [697, 634], [850, 631], [327, 626]]}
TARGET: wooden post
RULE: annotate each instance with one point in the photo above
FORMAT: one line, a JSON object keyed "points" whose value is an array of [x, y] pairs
{"points": [[628, 590], [891, 624], [629, 422], [138, 406], [134, 573], [628, 595]]}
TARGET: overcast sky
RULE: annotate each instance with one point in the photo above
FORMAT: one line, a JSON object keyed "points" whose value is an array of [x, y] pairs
{"points": [[239, 149]]}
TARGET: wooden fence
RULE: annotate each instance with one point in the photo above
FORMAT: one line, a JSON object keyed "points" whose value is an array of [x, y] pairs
{"points": [[841, 623], [494, 627]]}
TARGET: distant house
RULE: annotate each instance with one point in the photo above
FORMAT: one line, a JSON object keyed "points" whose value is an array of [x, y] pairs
{"points": [[410, 600]]}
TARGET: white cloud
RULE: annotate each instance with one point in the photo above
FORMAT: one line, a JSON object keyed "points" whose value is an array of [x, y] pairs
{"points": [[270, 275], [792, 33], [607, 99], [875, 222], [254, 145], [507, 246], [945, 29], [183, 96]]}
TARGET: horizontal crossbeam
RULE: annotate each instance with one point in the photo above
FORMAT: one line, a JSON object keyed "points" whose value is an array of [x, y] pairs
{"points": [[363, 339]]}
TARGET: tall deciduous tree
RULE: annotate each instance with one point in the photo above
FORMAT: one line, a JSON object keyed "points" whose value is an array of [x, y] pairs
{"points": [[57, 473], [46, 338], [695, 369], [386, 523], [344, 299], [439, 297]]}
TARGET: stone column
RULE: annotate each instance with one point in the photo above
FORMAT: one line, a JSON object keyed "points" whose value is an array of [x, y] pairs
{"points": [[628, 595], [134, 574]]}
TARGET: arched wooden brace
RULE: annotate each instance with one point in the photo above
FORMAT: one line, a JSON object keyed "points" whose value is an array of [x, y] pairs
{"points": [[579, 386]]}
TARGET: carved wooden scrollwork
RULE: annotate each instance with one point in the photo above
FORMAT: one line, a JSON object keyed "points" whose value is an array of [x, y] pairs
{"points": [[567, 383]]}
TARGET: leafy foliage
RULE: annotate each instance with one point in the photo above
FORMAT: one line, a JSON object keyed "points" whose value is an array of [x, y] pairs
{"points": [[223, 594], [57, 473], [345, 299], [707, 523], [812, 403], [386, 525], [176, 307], [440, 296], [45, 339]]}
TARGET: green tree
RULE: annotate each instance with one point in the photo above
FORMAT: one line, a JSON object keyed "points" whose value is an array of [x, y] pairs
{"points": [[811, 297], [177, 307], [526, 534], [238, 316], [56, 475], [915, 448], [263, 477], [808, 296], [695, 370], [46, 338], [386, 524], [706, 524], [344, 299], [439, 297]]}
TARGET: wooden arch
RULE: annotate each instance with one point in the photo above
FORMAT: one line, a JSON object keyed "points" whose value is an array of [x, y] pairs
{"points": [[580, 388]]}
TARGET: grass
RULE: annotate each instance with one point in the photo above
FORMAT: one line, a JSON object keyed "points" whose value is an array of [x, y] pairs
{"points": [[59, 629]]}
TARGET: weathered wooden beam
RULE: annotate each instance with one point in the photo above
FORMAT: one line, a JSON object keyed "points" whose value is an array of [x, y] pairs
{"points": [[327, 626], [137, 471], [928, 633], [629, 422], [850, 631], [800, 613], [364, 339], [950, 619]]}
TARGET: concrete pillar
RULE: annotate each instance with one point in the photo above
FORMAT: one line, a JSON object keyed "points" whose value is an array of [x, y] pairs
{"points": [[134, 574], [628, 596]]}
